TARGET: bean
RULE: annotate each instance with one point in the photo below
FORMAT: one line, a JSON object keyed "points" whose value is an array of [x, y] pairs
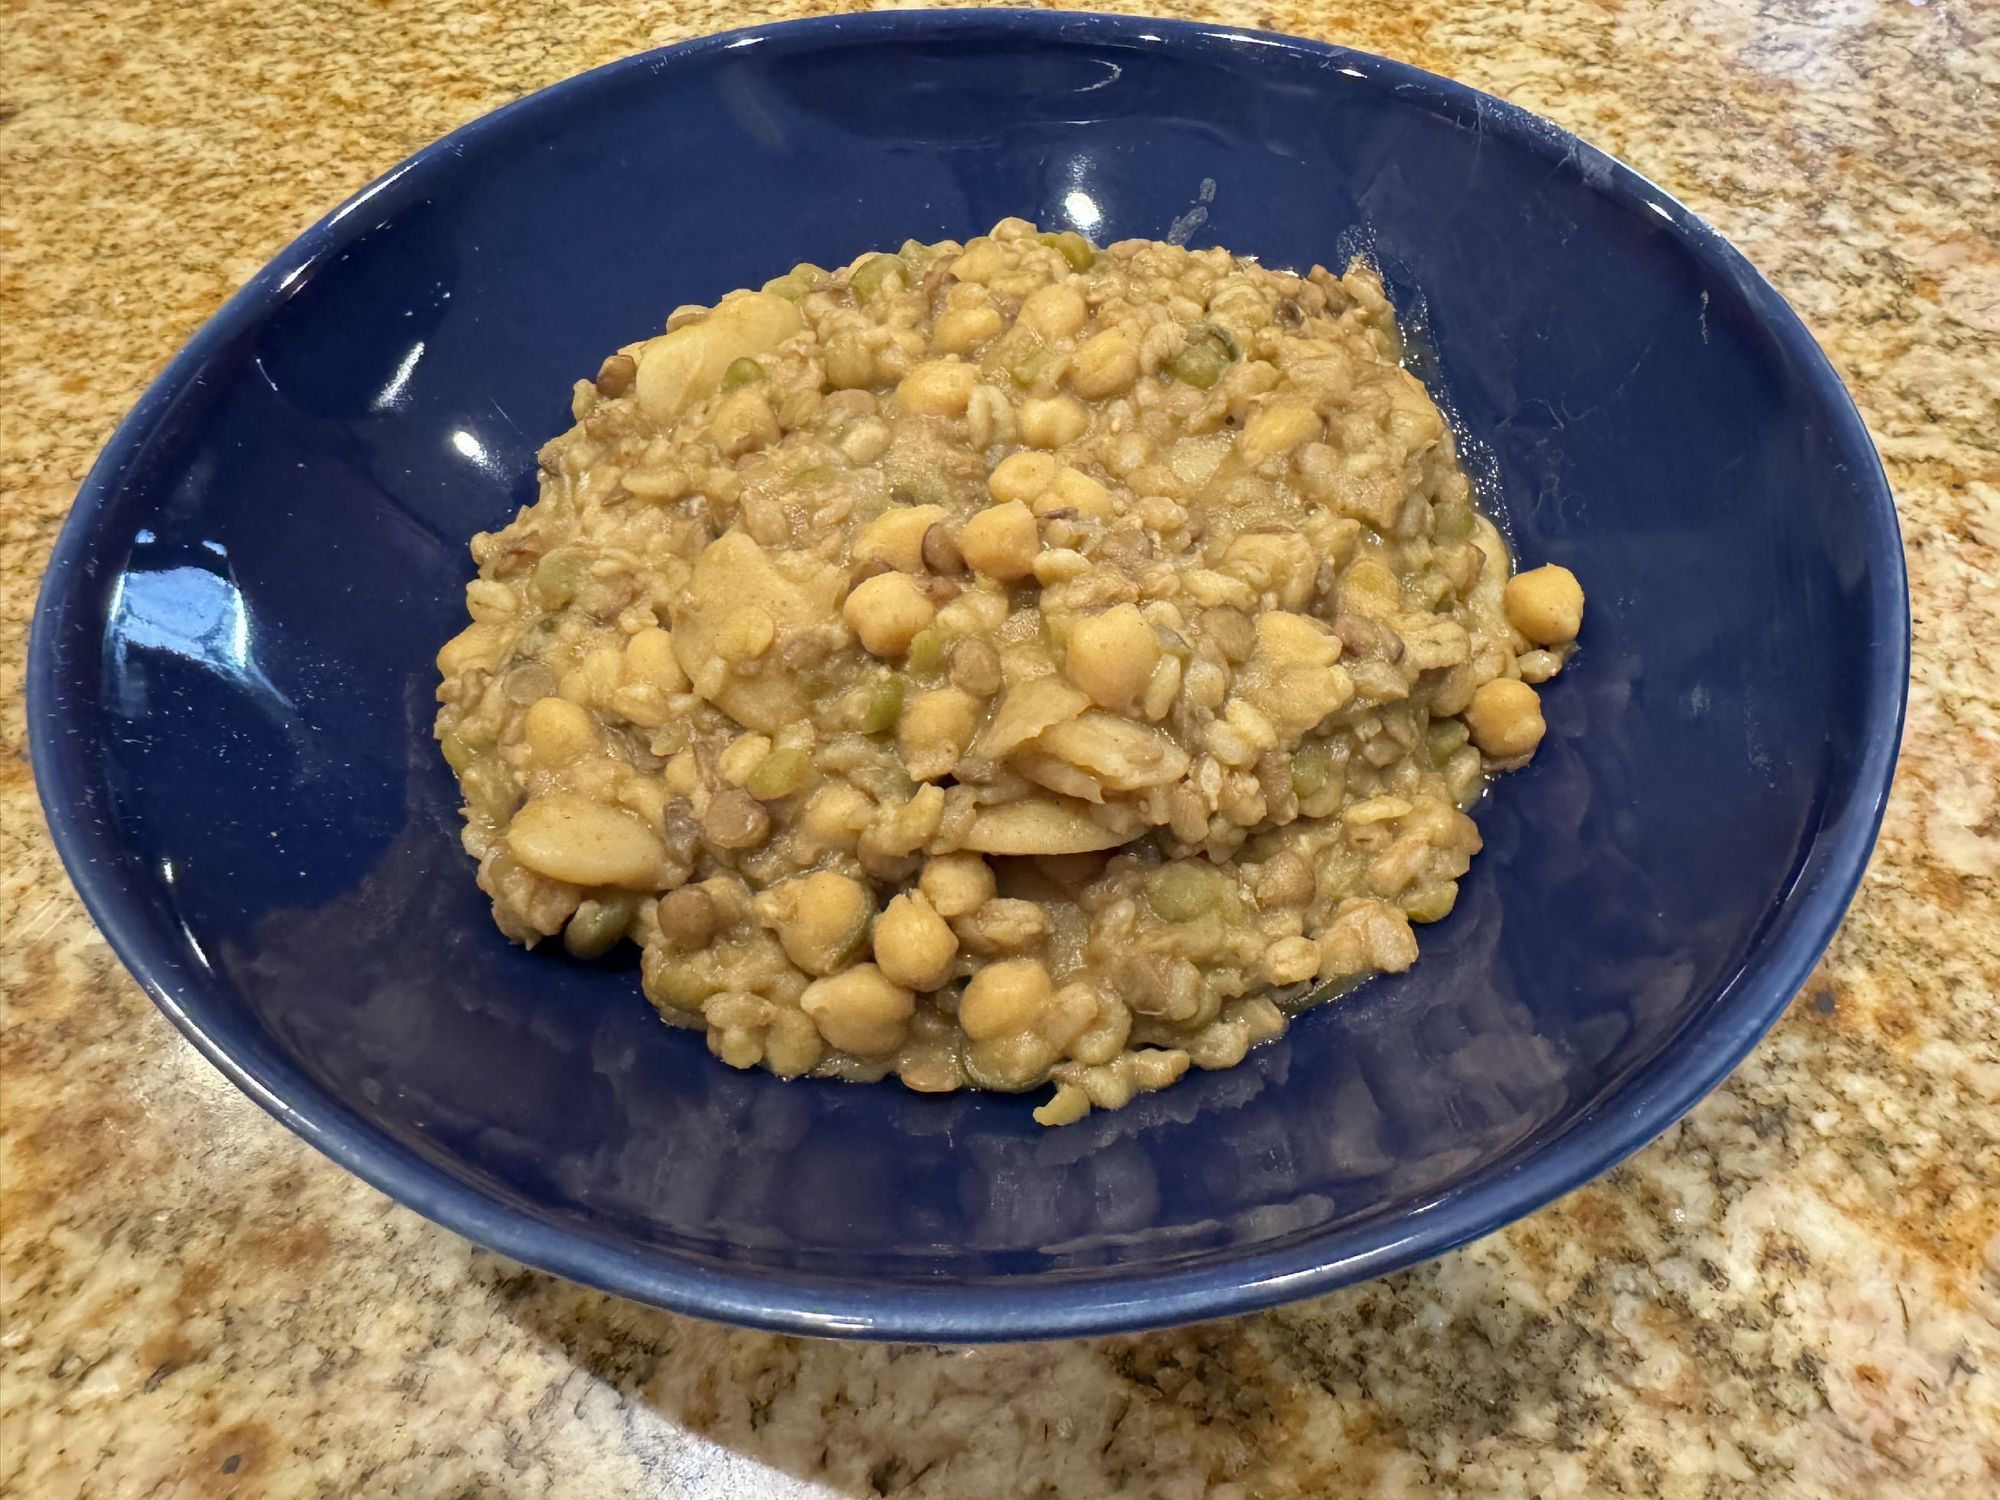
{"points": [[569, 837], [1452, 522], [1202, 359], [1431, 903], [598, 924], [1183, 890], [885, 706], [927, 650], [1442, 739], [779, 774], [735, 820], [975, 667], [615, 375], [940, 553], [558, 576], [1311, 769], [687, 918], [874, 276], [1072, 247]]}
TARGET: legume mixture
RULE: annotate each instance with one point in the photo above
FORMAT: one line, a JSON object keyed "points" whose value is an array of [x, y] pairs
{"points": [[998, 664]]}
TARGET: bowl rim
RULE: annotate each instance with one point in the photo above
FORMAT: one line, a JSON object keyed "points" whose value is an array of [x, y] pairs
{"points": [[1662, 1090]]}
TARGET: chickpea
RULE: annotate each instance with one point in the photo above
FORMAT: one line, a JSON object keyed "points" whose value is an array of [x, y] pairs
{"points": [[822, 920], [1075, 490], [860, 1010], [938, 388], [850, 364], [792, 1045], [1055, 312], [1545, 604], [1051, 421], [1505, 718], [896, 537], [887, 611], [1022, 476], [649, 661], [934, 730], [742, 756], [742, 422], [746, 633], [1277, 428], [957, 885], [1001, 541], [1005, 998], [558, 732], [1111, 656], [1105, 364], [835, 815], [474, 644], [963, 329], [981, 261], [913, 945], [1017, 1061]]}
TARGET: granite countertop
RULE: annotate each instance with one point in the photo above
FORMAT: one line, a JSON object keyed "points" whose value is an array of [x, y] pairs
{"points": [[1796, 1292]]}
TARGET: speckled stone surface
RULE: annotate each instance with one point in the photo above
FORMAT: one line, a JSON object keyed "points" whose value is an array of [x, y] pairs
{"points": [[1796, 1292]]}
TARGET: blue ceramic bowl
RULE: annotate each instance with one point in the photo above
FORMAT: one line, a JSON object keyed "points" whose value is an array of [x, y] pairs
{"points": [[232, 682]]}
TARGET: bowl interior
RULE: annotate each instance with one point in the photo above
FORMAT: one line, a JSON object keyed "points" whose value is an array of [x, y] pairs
{"points": [[235, 688]]}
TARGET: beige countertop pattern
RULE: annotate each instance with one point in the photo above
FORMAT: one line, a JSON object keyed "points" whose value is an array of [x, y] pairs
{"points": [[1795, 1292]]}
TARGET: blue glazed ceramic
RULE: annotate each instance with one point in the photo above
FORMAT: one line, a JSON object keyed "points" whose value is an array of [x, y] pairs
{"points": [[232, 683]]}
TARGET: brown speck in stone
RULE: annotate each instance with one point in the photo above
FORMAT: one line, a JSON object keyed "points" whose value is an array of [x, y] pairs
{"points": [[241, 1450], [163, 1354]]}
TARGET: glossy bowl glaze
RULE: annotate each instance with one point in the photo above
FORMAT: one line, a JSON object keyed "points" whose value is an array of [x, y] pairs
{"points": [[232, 680]]}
